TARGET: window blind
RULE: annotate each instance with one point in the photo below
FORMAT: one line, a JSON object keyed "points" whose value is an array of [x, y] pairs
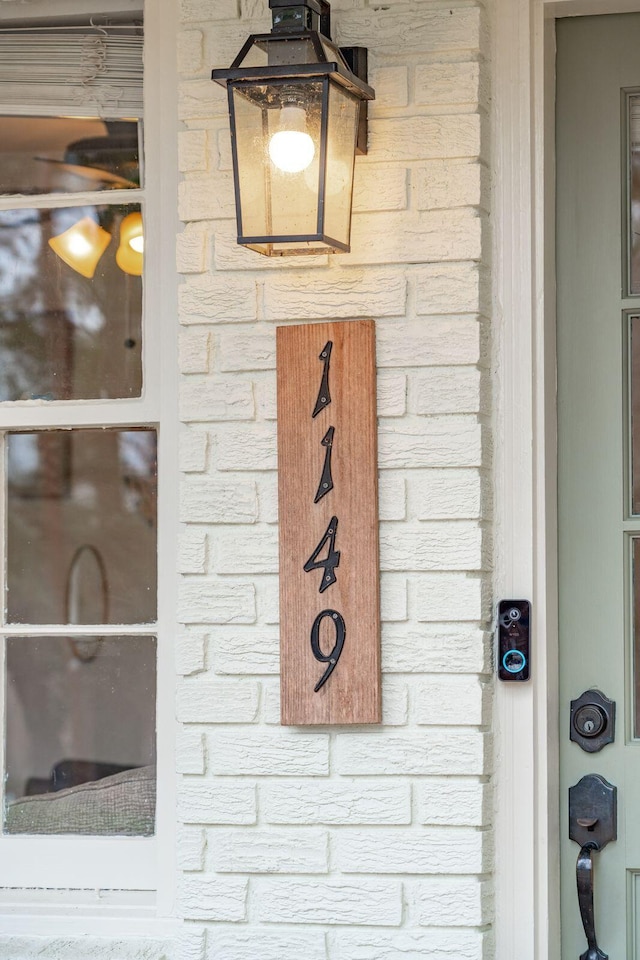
{"points": [[77, 70]]}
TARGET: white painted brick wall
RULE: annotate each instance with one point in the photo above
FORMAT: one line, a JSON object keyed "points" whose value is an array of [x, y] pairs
{"points": [[192, 557], [191, 256], [208, 897], [453, 801], [200, 701], [190, 52], [192, 843], [269, 851], [193, 451], [286, 944], [343, 901], [344, 802], [462, 902], [438, 944], [365, 843], [190, 653], [211, 802], [203, 500]]}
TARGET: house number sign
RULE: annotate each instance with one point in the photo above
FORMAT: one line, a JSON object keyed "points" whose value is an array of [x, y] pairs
{"points": [[328, 511]]}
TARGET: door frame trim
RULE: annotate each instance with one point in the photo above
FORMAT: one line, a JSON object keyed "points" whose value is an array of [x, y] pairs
{"points": [[526, 764]]}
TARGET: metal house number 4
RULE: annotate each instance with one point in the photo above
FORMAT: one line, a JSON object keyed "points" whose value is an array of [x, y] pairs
{"points": [[328, 541]]}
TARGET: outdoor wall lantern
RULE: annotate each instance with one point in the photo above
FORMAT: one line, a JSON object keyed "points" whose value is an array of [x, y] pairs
{"points": [[298, 112]]}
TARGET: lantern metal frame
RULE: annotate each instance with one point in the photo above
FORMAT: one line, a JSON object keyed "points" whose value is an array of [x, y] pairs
{"points": [[300, 20]]}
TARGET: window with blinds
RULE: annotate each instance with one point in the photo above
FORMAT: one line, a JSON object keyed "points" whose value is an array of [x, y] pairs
{"points": [[72, 70]]}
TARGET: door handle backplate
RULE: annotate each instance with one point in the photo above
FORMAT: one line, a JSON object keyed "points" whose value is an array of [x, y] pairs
{"points": [[592, 824]]}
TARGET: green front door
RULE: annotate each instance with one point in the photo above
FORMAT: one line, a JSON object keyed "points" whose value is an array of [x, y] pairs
{"points": [[598, 322]]}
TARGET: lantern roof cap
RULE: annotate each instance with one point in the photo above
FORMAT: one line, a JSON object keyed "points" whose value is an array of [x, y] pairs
{"points": [[282, 55]]}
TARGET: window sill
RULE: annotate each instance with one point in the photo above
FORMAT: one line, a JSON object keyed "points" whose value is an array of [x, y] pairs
{"points": [[82, 913]]}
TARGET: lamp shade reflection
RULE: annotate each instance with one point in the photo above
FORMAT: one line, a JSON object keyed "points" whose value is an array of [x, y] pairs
{"points": [[130, 253], [81, 246]]}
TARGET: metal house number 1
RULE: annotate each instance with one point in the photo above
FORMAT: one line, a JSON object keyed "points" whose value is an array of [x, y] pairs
{"points": [[328, 541]]}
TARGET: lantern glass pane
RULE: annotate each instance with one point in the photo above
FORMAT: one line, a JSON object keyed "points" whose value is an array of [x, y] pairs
{"points": [[281, 52], [341, 146], [278, 153], [251, 185]]}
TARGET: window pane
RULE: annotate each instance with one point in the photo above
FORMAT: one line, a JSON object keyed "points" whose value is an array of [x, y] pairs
{"points": [[80, 735], [81, 526], [67, 155], [66, 332], [634, 188], [636, 634], [634, 401]]}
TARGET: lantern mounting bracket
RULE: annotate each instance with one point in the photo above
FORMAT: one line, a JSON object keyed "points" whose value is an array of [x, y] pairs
{"points": [[357, 59], [296, 15]]}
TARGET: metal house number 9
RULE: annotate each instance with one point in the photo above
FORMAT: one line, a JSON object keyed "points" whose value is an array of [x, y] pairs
{"points": [[328, 541]]}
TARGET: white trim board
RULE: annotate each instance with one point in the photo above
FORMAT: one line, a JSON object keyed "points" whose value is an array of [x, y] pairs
{"points": [[161, 142], [526, 745]]}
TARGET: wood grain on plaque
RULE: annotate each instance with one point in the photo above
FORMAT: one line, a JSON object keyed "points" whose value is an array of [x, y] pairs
{"points": [[351, 694]]}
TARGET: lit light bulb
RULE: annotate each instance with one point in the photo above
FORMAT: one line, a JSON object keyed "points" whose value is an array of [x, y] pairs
{"points": [[291, 148], [137, 244]]}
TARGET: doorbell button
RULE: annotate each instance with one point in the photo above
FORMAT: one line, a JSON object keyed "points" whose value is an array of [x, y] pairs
{"points": [[514, 661]]}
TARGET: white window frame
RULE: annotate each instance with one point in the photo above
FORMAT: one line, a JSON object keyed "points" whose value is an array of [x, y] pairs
{"points": [[77, 863]]}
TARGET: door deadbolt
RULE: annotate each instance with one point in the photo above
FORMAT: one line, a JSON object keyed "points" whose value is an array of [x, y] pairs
{"points": [[593, 720]]}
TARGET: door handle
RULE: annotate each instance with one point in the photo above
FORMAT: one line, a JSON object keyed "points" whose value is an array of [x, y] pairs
{"points": [[584, 877], [593, 806]]}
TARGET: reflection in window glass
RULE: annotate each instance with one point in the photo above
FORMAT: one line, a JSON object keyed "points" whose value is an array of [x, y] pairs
{"points": [[634, 398], [67, 155], [80, 748], [634, 189], [70, 303], [636, 634], [81, 526]]}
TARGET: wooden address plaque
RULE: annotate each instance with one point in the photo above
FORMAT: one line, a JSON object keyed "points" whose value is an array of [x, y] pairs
{"points": [[328, 503]]}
